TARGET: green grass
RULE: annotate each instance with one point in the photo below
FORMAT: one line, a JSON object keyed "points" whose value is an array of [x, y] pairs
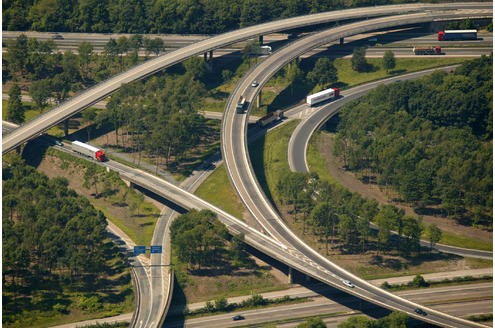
{"points": [[269, 158], [465, 242], [316, 162], [350, 78], [217, 190]]}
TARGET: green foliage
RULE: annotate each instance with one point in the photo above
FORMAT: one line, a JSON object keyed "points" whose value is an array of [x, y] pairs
{"points": [[172, 16], [324, 72], [54, 244], [419, 282], [394, 319], [427, 139], [388, 60], [358, 61], [15, 111], [312, 323], [198, 238], [90, 304]]}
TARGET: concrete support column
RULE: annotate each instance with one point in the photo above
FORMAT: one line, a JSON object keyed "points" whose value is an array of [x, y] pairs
{"points": [[290, 278], [66, 128], [341, 41], [205, 56], [211, 55], [260, 40], [258, 100]]}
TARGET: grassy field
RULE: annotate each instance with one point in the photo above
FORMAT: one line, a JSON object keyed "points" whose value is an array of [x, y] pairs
{"points": [[269, 158], [348, 77], [218, 190]]}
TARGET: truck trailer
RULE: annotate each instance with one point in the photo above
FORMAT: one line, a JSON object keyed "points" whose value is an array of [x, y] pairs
{"points": [[88, 150], [269, 118], [318, 97], [427, 50], [448, 35], [240, 105]]}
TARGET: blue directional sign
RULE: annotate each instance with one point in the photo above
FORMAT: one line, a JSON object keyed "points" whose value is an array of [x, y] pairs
{"points": [[139, 250], [155, 249]]}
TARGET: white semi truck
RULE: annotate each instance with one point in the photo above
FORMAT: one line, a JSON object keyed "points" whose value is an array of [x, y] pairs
{"points": [[88, 150]]}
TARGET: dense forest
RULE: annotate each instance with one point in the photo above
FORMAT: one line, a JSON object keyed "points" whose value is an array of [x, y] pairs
{"points": [[53, 243], [158, 16], [430, 140]]}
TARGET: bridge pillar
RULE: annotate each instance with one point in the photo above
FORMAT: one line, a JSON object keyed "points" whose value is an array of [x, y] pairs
{"points": [[258, 100], [260, 40], [205, 56], [66, 128], [341, 41], [290, 278], [211, 55]]}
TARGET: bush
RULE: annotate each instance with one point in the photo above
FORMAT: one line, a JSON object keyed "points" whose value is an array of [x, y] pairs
{"points": [[61, 308], [90, 304]]}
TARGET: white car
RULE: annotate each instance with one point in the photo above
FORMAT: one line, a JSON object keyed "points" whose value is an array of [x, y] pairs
{"points": [[254, 84], [348, 283]]}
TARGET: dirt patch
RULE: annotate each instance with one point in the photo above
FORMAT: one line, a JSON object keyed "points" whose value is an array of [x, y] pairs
{"points": [[349, 180]]}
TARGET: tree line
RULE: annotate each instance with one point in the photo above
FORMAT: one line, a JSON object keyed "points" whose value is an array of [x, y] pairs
{"points": [[342, 219], [429, 140], [158, 16]]}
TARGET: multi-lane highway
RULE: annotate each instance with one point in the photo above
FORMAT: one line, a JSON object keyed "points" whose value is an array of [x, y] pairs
{"points": [[468, 299], [31, 129], [284, 253], [234, 149]]}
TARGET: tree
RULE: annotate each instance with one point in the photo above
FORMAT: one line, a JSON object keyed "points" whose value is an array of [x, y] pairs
{"points": [[15, 110], [324, 72], [412, 234], [326, 219], [17, 56], [358, 60], [434, 234], [388, 60], [155, 46], [40, 93], [85, 55]]}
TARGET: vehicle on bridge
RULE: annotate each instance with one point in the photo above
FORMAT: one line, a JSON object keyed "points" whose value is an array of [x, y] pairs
{"points": [[269, 118], [448, 35], [265, 50], [240, 105], [318, 97], [88, 150], [427, 50]]}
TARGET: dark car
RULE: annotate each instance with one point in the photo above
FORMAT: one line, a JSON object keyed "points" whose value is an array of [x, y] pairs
{"points": [[419, 311], [238, 317]]}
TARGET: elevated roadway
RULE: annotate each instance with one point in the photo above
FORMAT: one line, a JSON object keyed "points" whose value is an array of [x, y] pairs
{"points": [[85, 99], [234, 149], [274, 249]]}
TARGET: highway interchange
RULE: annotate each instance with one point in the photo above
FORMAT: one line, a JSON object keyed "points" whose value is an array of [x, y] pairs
{"points": [[288, 252]]}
